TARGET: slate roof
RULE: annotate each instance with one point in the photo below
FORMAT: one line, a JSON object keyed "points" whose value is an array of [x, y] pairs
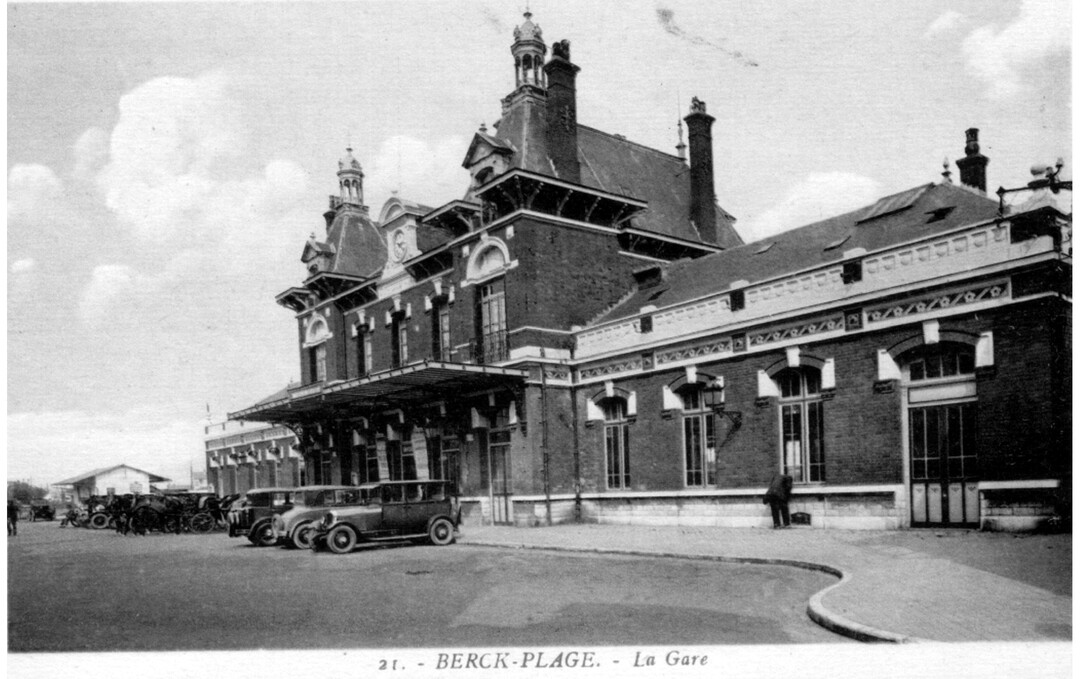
{"points": [[360, 249], [614, 164], [908, 215], [153, 478]]}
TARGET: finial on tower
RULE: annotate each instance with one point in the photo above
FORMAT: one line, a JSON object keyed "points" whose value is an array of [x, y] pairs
{"points": [[946, 174]]}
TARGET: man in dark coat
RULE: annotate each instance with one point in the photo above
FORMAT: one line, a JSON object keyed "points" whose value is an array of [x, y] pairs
{"points": [[777, 497], [12, 518]]}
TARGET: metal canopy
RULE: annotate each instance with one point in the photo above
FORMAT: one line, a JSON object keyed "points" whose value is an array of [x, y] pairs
{"points": [[399, 387]]}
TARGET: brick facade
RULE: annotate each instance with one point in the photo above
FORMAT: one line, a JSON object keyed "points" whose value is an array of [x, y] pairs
{"points": [[567, 300]]}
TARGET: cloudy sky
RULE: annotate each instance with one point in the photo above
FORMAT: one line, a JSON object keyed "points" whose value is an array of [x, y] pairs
{"points": [[167, 161]]}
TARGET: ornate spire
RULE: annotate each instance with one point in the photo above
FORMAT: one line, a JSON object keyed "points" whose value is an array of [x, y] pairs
{"points": [[350, 179], [529, 51]]}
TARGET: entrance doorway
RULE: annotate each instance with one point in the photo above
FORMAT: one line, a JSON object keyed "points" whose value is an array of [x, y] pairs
{"points": [[942, 438], [495, 475], [944, 465]]}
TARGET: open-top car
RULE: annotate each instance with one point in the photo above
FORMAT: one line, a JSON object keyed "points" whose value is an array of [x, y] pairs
{"points": [[253, 513], [293, 527], [394, 510]]}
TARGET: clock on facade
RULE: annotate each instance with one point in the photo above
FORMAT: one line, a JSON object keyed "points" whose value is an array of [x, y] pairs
{"points": [[399, 246]]}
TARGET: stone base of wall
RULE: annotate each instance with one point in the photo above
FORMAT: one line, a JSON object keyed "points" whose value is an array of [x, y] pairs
{"points": [[1001, 510], [1022, 510], [870, 511]]}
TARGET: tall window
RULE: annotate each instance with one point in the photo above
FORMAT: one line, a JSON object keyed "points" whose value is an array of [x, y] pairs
{"points": [[399, 341], [365, 457], [363, 351], [317, 358], [802, 424], [616, 443], [440, 330], [400, 458], [492, 322], [699, 438]]}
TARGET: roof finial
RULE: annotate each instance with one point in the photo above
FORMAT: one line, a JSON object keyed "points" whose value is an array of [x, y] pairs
{"points": [[483, 127], [946, 175]]}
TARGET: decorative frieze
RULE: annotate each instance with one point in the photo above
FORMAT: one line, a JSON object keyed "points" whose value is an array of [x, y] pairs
{"points": [[815, 327], [947, 300], [613, 368], [721, 346]]}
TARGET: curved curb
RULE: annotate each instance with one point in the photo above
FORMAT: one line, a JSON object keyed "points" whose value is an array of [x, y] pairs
{"points": [[815, 609]]}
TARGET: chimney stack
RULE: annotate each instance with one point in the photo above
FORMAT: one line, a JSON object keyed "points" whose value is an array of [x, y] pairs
{"points": [[702, 192], [973, 164], [562, 112]]}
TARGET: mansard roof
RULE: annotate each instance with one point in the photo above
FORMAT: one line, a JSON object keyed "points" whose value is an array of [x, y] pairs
{"points": [[918, 212], [359, 249], [614, 164]]}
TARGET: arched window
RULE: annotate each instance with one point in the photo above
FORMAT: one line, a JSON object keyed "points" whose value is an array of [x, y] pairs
{"points": [[490, 261], [802, 424], [616, 442], [938, 361], [699, 437]]}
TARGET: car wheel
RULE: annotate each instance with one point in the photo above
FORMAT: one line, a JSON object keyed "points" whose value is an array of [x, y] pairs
{"points": [[301, 538], [441, 531], [341, 540], [99, 521], [202, 522], [262, 534]]}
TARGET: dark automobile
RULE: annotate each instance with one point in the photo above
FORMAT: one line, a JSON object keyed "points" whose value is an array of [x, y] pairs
{"points": [[42, 511], [253, 513], [293, 528], [395, 510]]}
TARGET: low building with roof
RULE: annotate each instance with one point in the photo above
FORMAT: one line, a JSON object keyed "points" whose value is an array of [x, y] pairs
{"points": [[584, 336], [245, 455], [115, 480]]}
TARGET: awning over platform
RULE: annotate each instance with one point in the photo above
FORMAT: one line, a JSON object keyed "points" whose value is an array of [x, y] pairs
{"points": [[400, 387]]}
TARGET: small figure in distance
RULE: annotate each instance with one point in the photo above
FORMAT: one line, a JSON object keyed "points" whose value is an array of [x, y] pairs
{"points": [[777, 497], [12, 518]]}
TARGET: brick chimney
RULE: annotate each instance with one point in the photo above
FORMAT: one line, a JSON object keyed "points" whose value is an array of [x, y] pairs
{"points": [[702, 192], [973, 164], [562, 112]]}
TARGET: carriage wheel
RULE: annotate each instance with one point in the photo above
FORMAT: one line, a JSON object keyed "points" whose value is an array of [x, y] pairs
{"points": [[171, 524], [202, 522], [99, 520]]}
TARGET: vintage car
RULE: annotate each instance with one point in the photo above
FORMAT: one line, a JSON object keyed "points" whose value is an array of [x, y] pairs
{"points": [[292, 528], [253, 513], [395, 510]]}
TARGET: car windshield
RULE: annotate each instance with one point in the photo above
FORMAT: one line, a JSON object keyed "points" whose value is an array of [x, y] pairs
{"points": [[314, 498], [349, 496]]}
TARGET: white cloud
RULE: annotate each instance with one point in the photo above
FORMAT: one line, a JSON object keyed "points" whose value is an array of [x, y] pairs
{"points": [[91, 152], [818, 196], [173, 139], [107, 283], [944, 23], [998, 57], [23, 265], [32, 191], [51, 446], [429, 173]]}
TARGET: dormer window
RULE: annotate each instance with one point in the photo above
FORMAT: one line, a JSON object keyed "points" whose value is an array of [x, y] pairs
{"points": [[483, 176]]}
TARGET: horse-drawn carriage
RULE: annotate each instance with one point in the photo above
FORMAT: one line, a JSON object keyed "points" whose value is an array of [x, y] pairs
{"points": [[166, 513]]}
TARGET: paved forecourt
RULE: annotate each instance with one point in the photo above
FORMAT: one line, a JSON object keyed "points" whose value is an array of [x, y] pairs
{"points": [[914, 585]]}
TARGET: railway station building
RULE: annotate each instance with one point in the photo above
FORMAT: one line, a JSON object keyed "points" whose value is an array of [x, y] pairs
{"points": [[583, 336]]}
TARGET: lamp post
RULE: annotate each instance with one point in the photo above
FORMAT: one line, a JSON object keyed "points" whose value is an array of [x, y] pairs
{"points": [[1045, 177]]}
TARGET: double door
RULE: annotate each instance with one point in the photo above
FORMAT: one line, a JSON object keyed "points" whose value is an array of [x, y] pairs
{"points": [[944, 465]]}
